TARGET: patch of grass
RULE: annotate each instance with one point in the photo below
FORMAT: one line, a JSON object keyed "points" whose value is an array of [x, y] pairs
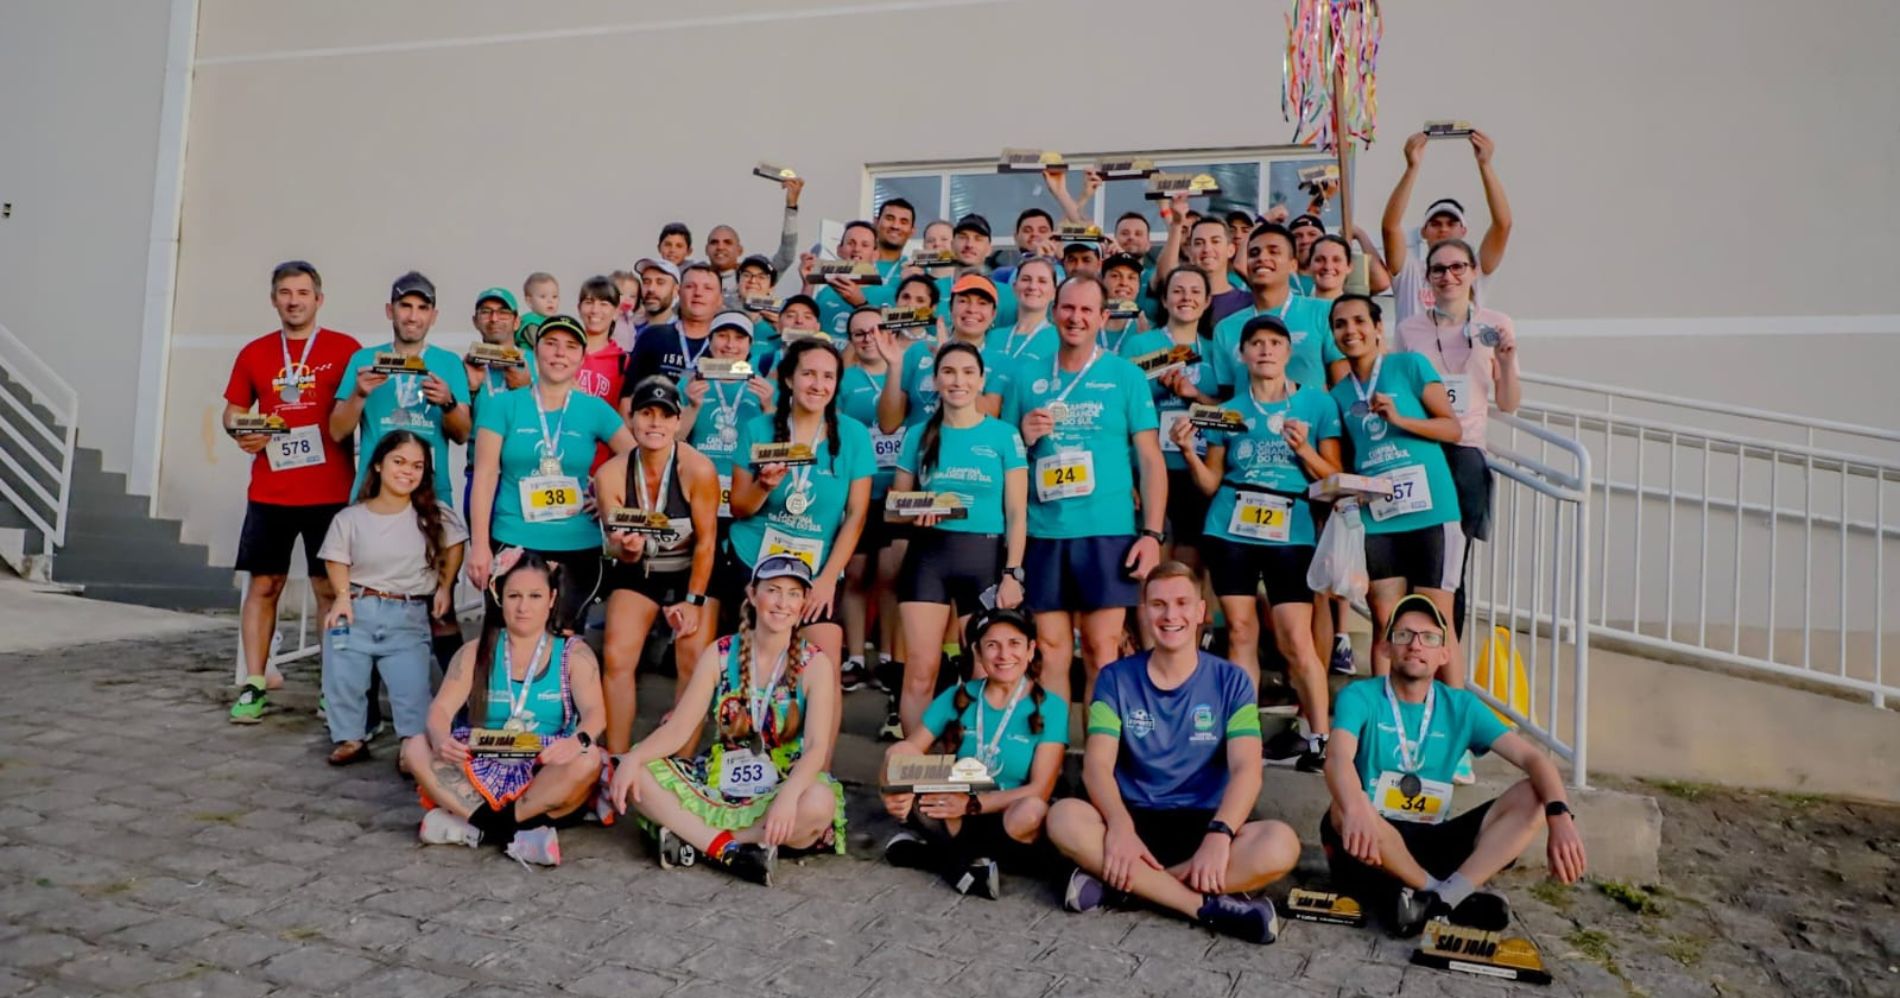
{"points": [[1636, 899], [218, 817], [42, 882], [1596, 946], [1558, 896], [1683, 789], [1802, 802], [1686, 950]]}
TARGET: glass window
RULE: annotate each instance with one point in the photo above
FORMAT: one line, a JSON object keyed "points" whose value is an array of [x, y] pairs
{"points": [[1283, 187], [924, 193], [1239, 191], [1000, 197]]}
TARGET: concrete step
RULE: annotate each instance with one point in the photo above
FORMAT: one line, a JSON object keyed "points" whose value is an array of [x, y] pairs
{"points": [[111, 533], [163, 596]]}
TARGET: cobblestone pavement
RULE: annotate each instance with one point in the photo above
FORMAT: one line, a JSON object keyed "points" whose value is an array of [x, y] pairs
{"points": [[148, 847]]}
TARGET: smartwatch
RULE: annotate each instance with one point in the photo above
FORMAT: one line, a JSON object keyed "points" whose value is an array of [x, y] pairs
{"points": [[1014, 572], [695, 599], [974, 806], [1557, 807], [1156, 534], [1219, 826], [586, 740]]}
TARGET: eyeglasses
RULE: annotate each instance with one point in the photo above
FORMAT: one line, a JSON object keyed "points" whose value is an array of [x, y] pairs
{"points": [[492, 313], [1441, 269], [1403, 636]]}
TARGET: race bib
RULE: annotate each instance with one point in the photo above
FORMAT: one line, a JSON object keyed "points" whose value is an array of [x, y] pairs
{"points": [[725, 497], [1067, 475], [805, 549], [1458, 386], [1261, 517], [743, 774], [886, 446], [1169, 417], [1429, 806], [1411, 493], [550, 497], [300, 448]]}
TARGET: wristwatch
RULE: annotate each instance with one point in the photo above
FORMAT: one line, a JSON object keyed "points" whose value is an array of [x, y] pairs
{"points": [[1557, 807], [1156, 534], [974, 806], [586, 740], [1220, 826], [1014, 572], [695, 599]]}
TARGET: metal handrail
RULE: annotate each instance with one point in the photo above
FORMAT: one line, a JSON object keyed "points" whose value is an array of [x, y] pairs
{"points": [[53, 484], [1883, 434]]}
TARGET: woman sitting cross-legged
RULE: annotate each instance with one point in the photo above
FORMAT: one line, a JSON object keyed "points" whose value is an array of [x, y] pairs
{"points": [[1005, 720], [770, 702], [519, 677]]}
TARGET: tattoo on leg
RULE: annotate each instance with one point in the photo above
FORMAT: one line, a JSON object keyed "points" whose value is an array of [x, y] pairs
{"points": [[454, 783]]}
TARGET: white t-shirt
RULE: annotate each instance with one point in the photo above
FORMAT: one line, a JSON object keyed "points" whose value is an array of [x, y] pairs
{"points": [[385, 551]]}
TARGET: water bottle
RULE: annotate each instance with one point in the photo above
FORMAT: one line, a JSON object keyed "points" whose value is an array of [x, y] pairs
{"points": [[339, 635], [988, 598]]}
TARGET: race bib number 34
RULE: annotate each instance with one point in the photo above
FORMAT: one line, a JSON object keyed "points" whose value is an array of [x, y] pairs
{"points": [[1067, 475], [1429, 806], [550, 497], [300, 448]]}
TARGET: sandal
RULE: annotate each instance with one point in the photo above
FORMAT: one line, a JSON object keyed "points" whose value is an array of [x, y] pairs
{"points": [[346, 753]]}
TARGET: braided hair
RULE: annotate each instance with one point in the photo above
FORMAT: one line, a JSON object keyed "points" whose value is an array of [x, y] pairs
{"points": [[737, 727], [931, 440], [787, 367]]}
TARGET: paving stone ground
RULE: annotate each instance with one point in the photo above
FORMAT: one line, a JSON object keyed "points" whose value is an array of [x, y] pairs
{"points": [[148, 847]]}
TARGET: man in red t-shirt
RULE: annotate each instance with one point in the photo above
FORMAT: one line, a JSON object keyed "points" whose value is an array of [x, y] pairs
{"points": [[300, 478], [604, 369]]}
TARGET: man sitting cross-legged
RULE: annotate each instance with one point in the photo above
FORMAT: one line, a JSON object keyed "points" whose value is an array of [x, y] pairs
{"points": [[1389, 835], [1172, 767]]}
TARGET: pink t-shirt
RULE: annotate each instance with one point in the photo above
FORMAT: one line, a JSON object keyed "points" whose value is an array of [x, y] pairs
{"points": [[1467, 365]]}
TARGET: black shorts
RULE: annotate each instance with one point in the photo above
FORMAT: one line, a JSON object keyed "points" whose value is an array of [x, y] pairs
{"points": [[878, 532], [1079, 574], [1441, 849], [579, 587], [1173, 835], [950, 568], [731, 576], [1187, 508], [271, 531], [1426, 558], [663, 588], [1472, 477], [1238, 569]]}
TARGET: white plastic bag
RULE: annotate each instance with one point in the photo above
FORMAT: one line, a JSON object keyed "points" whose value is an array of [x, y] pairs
{"points": [[1339, 562]]}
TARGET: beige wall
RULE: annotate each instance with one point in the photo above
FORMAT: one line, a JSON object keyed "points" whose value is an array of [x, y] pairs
{"points": [[1641, 144], [80, 85]]}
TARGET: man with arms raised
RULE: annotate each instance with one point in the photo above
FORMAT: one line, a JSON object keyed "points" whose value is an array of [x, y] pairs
{"points": [[725, 252], [1444, 219], [1172, 766], [1389, 835]]}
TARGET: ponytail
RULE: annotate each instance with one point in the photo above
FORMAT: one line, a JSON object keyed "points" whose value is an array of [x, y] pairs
{"points": [[930, 442]]}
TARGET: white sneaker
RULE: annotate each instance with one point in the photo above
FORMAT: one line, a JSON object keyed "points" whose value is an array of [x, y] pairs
{"points": [[441, 827]]}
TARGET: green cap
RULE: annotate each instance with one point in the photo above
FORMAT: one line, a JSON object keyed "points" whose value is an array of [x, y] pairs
{"points": [[503, 295]]}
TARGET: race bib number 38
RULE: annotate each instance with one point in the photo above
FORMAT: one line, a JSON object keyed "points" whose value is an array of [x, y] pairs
{"points": [[1067, 475], [550, 497], [300, 448]]}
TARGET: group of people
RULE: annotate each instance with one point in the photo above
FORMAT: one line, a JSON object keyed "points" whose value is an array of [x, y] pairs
{"points": [[960, 511]]}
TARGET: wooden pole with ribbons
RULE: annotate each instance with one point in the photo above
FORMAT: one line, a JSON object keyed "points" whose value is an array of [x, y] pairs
{"points": [[1330, 92]]}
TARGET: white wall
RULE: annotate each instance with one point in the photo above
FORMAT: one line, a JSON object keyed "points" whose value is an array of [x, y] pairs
{"points": [[80, 84]]}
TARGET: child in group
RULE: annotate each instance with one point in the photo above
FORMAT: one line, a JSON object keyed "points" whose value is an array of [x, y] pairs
{"points": [[543, 295]]}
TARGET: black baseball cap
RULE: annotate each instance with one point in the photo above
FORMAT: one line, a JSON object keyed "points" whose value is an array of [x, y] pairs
{"points": [[1270, 323], [1128, 260], [1305, 220], [655, 391], [972, 223], [805, 300], [760, 261], [561, 324], [983, 621], [412, 283]]}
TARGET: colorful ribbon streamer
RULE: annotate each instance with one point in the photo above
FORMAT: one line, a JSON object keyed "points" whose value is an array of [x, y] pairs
{"points": [[1325, 38]]}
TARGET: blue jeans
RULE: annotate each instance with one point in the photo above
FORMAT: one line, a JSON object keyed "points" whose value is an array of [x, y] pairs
{"points": [[391, 637]]}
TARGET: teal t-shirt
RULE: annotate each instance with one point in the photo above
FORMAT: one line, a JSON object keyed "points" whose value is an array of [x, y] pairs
{"points": [[834, 313], [494, 384], [919, 381], [1015, 745], [1260, 457], [546, 701], [1417, 465], [1005, 302], [857, 398], [827, 482], [1170, 407], [1313, 346], [513, 417], [765, 345], [1015, 353], [1302, 284], [398, 404], [727, 406], [1460, 723], [1107, 404], [972, 462]]}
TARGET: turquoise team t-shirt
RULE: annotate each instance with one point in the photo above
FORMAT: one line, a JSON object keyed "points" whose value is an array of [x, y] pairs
{"points": [[1170, 407], [1173, 742], [857, 398], [1313, 346], [1416, 465], [919, 381], [587, 421], [1460, 723], [398, 404], [1005, 303], [1107, 404], [1016, 745], [1258, 456], [834, 313], [493, 385], [727, 406], [774, 528], [972, 462]]}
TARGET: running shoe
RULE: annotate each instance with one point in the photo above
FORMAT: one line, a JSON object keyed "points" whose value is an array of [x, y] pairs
{"points": [[892, 730], [675, 852], [751, 861], [1286, 748], [980, 877], [1249, 919], [323, 707], [854, 676], [1084, 893], [1412, 909], [249, 708], [442, 827], [539, 846], [1463, 775], [1341, 662], [1313, 760], [1483, 910], [909, 850]]}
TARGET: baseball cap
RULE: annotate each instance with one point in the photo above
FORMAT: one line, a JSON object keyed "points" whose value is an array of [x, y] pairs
{"points": [[1128, 260], [561, 324], [731, 320], [983, 621], [1305, 220], [1415, 603], [503, 295], [1445, 206], [977, 283], [412, 283], [1081, 247], [655, 391], [972, 223], [760, 261], [800, 299], [781, 566], [664, 266]]}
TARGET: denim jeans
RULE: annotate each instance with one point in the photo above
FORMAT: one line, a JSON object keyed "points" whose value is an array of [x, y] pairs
{"points": [[391, 637]]}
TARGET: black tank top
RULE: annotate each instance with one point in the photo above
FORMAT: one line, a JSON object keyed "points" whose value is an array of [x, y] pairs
{"points": [[671, 551]]}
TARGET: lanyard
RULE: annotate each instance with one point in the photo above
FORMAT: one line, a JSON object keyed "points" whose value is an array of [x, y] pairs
{"points": [[1411, 753], [649, 503], [1028, 338], [1128, 326], [757, 698], [290, 372], [551, 442], [1055, 374], [801, 476], [1438, 341], [987, 747], [519, 705], [688, 355], [1261, 407], [1365, 389], [728, 411]]}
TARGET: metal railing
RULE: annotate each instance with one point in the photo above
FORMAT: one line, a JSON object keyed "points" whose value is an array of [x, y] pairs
{"points": [[308, 641], [43, 469], [1529, 582], [1754, 548]]}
